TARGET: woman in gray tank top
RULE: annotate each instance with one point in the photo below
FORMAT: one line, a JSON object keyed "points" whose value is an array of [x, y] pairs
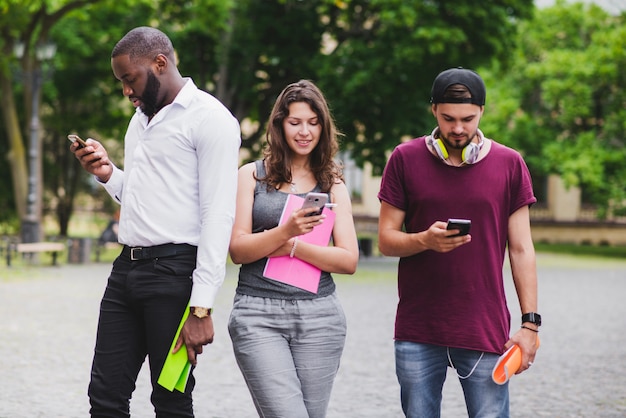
{"points": [[288, 338]]}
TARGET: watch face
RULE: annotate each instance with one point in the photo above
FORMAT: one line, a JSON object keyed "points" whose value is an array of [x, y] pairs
{"points": [[200, 312], [532, 317]]}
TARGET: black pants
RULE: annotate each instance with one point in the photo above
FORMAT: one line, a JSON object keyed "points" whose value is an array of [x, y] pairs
{"points": [[139, 314]]}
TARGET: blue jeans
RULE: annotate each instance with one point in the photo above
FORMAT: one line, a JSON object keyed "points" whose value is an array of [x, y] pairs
{"points": [[288, 352], [421, 370]]}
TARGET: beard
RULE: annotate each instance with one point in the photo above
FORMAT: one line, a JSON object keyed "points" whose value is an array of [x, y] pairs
{"points": [[457, 142], [149, 99]]}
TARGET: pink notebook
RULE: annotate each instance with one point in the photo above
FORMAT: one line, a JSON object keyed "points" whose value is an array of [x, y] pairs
{"points": [[294, 271]]}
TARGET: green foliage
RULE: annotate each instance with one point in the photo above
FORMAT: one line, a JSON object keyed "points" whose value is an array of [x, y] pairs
{"points": [[270, 44], [374, 59], [378, 77], [556, 88], [84, 97], [196, 30], [564, 107]]}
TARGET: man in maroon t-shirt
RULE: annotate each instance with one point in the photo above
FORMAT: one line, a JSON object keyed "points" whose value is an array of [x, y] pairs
{"points": [[452, 308]]}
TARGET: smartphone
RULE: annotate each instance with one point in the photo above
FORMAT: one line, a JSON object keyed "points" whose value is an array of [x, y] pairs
{"points": [[76, 138], [315, 200], [463, 225]]}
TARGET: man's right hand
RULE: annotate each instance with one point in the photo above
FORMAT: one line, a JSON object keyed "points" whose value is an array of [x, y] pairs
{"points": [[94, 159], [438, 238], [195, 334]]}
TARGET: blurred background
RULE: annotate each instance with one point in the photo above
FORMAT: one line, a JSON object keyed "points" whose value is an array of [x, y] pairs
{"points": [[555, 92]]}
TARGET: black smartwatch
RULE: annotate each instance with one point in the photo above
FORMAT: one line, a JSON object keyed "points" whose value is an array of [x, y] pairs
{"points": [[532, 317]]}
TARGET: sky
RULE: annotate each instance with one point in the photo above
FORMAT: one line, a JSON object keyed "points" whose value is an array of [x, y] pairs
{"points": [[611, 6]]}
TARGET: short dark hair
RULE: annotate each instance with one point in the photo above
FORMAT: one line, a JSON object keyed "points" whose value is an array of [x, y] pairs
{"points": [[144, 42]]}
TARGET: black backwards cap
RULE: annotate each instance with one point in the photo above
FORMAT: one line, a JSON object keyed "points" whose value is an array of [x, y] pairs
{"points": [[468, 78]]}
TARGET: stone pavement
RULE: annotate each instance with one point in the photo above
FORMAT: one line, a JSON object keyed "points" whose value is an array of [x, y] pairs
{"points": [[48, 318]]}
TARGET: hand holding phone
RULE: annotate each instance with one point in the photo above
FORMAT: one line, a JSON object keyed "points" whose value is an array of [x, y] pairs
{"points": [[463, 225], [315, 200], [75, 138]]}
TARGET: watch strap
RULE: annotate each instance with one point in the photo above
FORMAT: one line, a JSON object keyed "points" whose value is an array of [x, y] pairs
{"points": [[532, 317]]}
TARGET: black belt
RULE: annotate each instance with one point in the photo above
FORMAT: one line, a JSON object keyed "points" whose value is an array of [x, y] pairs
{"points": [[163, 250]]}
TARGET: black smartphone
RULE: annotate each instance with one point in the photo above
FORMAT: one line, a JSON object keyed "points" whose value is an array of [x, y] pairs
{"points": [[315, 200], [76, 138], [463, 225]]}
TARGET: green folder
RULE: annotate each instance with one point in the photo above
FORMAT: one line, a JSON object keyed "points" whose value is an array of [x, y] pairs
{"points": [[176, 369]]}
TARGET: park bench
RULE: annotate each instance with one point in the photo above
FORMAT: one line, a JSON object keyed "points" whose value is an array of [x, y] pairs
{"points": [[103, 246], [35, 247]]}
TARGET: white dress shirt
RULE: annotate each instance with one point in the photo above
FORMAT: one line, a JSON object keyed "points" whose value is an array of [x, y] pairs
{"points": [[179, 183]]}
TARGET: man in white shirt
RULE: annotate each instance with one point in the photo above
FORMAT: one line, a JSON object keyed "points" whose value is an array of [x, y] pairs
{"points": [[177, 195]]}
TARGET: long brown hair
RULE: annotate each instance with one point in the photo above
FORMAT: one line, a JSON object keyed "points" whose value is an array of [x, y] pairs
{"points": [[278, 155]]}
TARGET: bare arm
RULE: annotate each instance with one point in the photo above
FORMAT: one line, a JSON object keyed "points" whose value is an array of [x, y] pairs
{"points": [[524, 271], [394, 242], [246, 247]]}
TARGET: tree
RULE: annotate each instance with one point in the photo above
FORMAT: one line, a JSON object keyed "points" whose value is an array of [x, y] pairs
{"points": [[387, 53], [29, 24], [374, 59], [266, 46], [564, 103], [85, 98], [81, 97]]}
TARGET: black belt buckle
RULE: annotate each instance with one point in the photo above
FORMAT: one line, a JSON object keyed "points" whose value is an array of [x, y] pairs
{"points": [[133, 256]]}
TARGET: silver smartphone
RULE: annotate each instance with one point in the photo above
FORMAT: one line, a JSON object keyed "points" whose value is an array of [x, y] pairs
{"points": [[76, 138], [315, 200]]}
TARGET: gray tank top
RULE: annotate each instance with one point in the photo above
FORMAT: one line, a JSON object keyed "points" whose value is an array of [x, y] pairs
{"points": [[266, 210]]}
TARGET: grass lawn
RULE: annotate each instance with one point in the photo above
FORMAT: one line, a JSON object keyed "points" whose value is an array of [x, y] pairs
{"points": [[584, 250], [369, 269]]}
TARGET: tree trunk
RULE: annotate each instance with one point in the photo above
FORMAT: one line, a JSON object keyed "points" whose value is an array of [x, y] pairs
{"points": [[16, 155]]}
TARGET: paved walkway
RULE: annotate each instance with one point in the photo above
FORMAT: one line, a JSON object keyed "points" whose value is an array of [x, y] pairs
{"points": [[48, 318]]}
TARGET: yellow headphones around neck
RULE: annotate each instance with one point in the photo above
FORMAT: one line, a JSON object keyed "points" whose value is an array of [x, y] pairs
{"points": [[470, 153]]}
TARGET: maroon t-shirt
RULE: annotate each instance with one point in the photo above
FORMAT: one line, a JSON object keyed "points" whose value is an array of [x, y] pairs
{"points": [[456, 299]]}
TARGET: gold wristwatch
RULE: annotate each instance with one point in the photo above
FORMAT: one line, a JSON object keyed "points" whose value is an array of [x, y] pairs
{"points": [[200, 312]]}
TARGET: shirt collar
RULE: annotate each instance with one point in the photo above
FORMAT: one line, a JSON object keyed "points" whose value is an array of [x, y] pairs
{"points": [[186, 94], [183, 98]]}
